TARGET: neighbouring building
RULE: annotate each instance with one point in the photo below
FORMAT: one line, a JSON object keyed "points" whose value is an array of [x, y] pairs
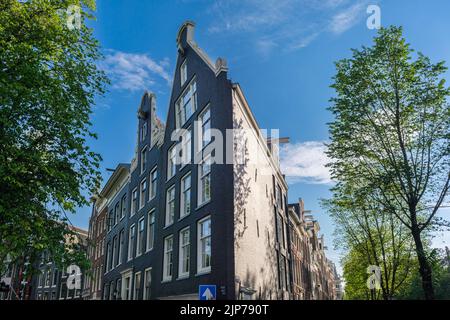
{"points": [[51, 282]]}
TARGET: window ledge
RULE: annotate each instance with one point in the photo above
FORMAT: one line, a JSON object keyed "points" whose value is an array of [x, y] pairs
{"points": [[202, 273], [203, 204], [166, 281], [183, 277]]}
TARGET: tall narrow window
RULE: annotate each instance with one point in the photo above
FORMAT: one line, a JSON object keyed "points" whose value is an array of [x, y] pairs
{"points": [[121, 244], [170, 205], [137, 285], [183, 72], [114, 252], [143, 159], [186, 104], [204, 181], [140, 237], [147, 284], [110, 220], [171, 162], [185, 205], [186, 153], [134, 196], [153, 183], [150, 229], [123, 206], [131, 240], [108, 257], [184, 253], [117, 213], [168, 258], [127, 288], [142, 198], [204, 246], [205, 119]]}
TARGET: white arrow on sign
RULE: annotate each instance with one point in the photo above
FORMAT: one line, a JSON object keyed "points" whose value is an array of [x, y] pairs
{"points": [[207, 294]]}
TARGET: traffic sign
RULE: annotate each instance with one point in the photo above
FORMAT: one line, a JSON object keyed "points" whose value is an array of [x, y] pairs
{"points": [[207, 292]]}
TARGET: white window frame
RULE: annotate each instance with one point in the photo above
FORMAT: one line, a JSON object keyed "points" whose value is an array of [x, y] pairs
{"points": [[183, 72], [188, 97], [151, 226], [200, 268], [134, 204], [139, 244], [142, 190], [120, 244], [153, 183], [147, 275], [170, 216], [202, 175], [181, 253], [171, 161], [131, 243], [114, 250], [143, 159], [126, 289], [183, 191], [203, 123], [137, 285], [144, 131], [123, 206], [167, 251], [186, 148]]}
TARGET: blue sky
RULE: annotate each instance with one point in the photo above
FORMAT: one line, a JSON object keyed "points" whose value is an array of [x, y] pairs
{"points": [[282, 53]]}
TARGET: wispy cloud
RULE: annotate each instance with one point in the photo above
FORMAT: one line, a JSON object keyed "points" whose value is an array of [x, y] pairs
{"points": [[347, 18], [286, 25], [305, 162], [134, 71]]}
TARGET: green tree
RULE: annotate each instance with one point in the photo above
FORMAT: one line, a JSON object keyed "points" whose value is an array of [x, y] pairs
{"points": [[371, 236], [392, 126], [48, 82]]}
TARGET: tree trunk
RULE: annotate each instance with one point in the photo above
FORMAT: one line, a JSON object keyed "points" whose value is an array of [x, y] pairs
{"points": [[424, 266]]}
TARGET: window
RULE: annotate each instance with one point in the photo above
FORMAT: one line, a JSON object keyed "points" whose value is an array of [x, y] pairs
{"points": [[137, 285], [204, 181], [111, 290], [170, 205], [205, 119], [150, 229], [144, 131], [117, 213], [184, 253], [108, 257], [134, 195], [204, 246], [110, 220], [127, 288], [143, 159], [168, 258], [147, 283], [186, 153], [123, 206], [55, 278], [153, 183], [41, 280], [183, 73], [140, 237], [280, 231], [114, 250], [282, 272], [185, 204], [121, 243], [118, 289], [171, 162], [131, 238], [143, 191], [186, 104]]}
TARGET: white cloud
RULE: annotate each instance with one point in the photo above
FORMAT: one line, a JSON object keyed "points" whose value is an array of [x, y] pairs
{"points": [[347, 18], [285, 25], [305, 162], [133, 71]]}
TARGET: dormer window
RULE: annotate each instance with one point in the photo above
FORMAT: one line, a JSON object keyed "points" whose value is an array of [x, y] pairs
{"points": [[186, 104], [183, 72]]}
